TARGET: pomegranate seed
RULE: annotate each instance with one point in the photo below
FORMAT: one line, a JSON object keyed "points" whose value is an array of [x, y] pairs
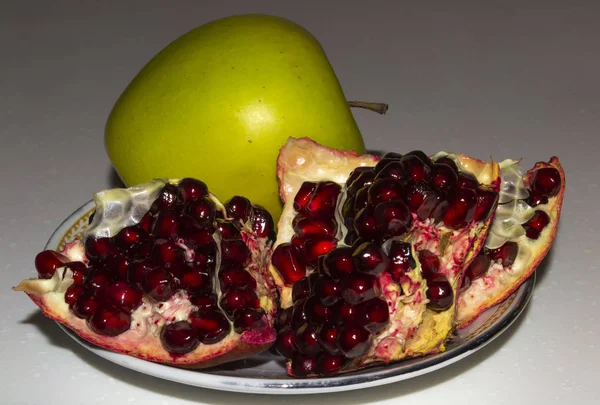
{"points": [[421, 155], [327, 290], [356, 173], [369, 258], [329, 365], [536, 224], [203, 211], [467, 180], [289, 263], [137, 274], [239, 208], [195, 281], [348, 211], [327, 335], [316, 312], [465, 283], [364, 179], [159, 284], [393, 218], [303, 195], [415, 168], [487, 201], [235, 251], [385, 190], [353, 340], [79, 271], [166, 252], [315, 248], [96, 280], [85, 305], [99, 248], [358, 287], [546, 181], [143, 250], [324, 198], [338, 263], [109, 322], [346, 313], [373, 315], [146, 222], [448, 161], [401, 259], [478, 267], [439, 211], [129, 237], [365, 224], [461, 208], [120, 296], [210, 326], [167, 199], [303, 366], [286, 343], [206, 256], [194, 236], [298, 314], [204, 302], [443, 178], [361, 199], [306, 227], [166, 225], [236, 277], [430, 263], [235, 299], [262, 222], [392, 155], [179, 337], [284, 317], [227, 229], [383, 163], [191, 189], [301, 289], [506, 253], [72, 293], [536, 198], [306, 340], [439, 293], [118, 266], [393, 170], [249, 319]]}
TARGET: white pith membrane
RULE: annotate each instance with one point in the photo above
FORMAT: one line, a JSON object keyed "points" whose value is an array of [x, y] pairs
{"points": [[413, 329], [120, 208], [500, 281]]}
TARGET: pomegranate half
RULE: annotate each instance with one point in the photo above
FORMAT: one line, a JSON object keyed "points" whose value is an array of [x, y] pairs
{"points": [[370, 253], [167, 273]]}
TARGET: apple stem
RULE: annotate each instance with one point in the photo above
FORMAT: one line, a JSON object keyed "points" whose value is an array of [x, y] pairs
{"points": [[380, 108]]}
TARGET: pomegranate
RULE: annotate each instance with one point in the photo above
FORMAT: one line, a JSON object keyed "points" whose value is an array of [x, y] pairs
{"points": [[521, 235], [405, 231], [168, 274]]}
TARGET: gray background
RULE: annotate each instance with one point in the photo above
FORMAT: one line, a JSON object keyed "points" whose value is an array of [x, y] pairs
{"points": [[502, 78]]}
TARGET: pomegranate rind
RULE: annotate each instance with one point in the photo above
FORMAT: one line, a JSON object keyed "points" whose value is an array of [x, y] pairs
{"points": [[116, 209], [499, 282]]}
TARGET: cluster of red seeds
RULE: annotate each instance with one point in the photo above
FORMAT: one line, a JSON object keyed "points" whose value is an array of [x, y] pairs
{"points": [[171, 249]]}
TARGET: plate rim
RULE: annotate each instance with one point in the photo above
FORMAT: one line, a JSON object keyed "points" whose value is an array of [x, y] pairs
{"points": [[291, 386]]}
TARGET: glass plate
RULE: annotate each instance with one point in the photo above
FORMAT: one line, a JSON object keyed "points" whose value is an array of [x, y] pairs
{"points": [[265, 373]]}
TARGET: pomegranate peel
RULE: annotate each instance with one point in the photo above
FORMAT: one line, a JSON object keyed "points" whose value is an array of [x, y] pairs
{"points": [[500, 279], [124, 324]]}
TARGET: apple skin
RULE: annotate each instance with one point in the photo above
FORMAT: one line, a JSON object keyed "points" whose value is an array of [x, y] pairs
{"points": [[218, 103]]}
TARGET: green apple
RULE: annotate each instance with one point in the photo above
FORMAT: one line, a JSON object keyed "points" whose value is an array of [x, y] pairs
{"points": [[219, 102]]}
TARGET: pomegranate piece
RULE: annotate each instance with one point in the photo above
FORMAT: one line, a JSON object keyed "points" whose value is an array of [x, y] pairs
{"points": [[353, 340], [338, 263], [179, 337], [536, 224], [324, 198], [96, 281], [415, 168], [190, 190], [385, 189], [327, 336], [306, 340], [236, 277], [461, 208], [369, 258], [303, 195], [401, 259], [487, 202], [203, 211], [328, 365], [373, 315], [167, 199], [506, 253], [137, 274], [109, 322], [235, 299], [210, 326], [467, 180], [393, 218], [315, 248], [194, 236], [262, 223], [316, 312], [85, 305], [306, 227], [235, 251], [120, 296], [166, 225], [129, 237], [286, 343], [204, 302], [289, 263], [227, 229], [439, 293], [448, 161], [546, 182], [72, 293], [365, 224], [443, 178], [303, 365], [358, 287], [159, 284], [478, 267], [249, 319], [536, 198], [166, 252], [99, 248], [430, 263], [301, 289], [327, 290], [196, 281], [239, 208], [346, 313]]}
